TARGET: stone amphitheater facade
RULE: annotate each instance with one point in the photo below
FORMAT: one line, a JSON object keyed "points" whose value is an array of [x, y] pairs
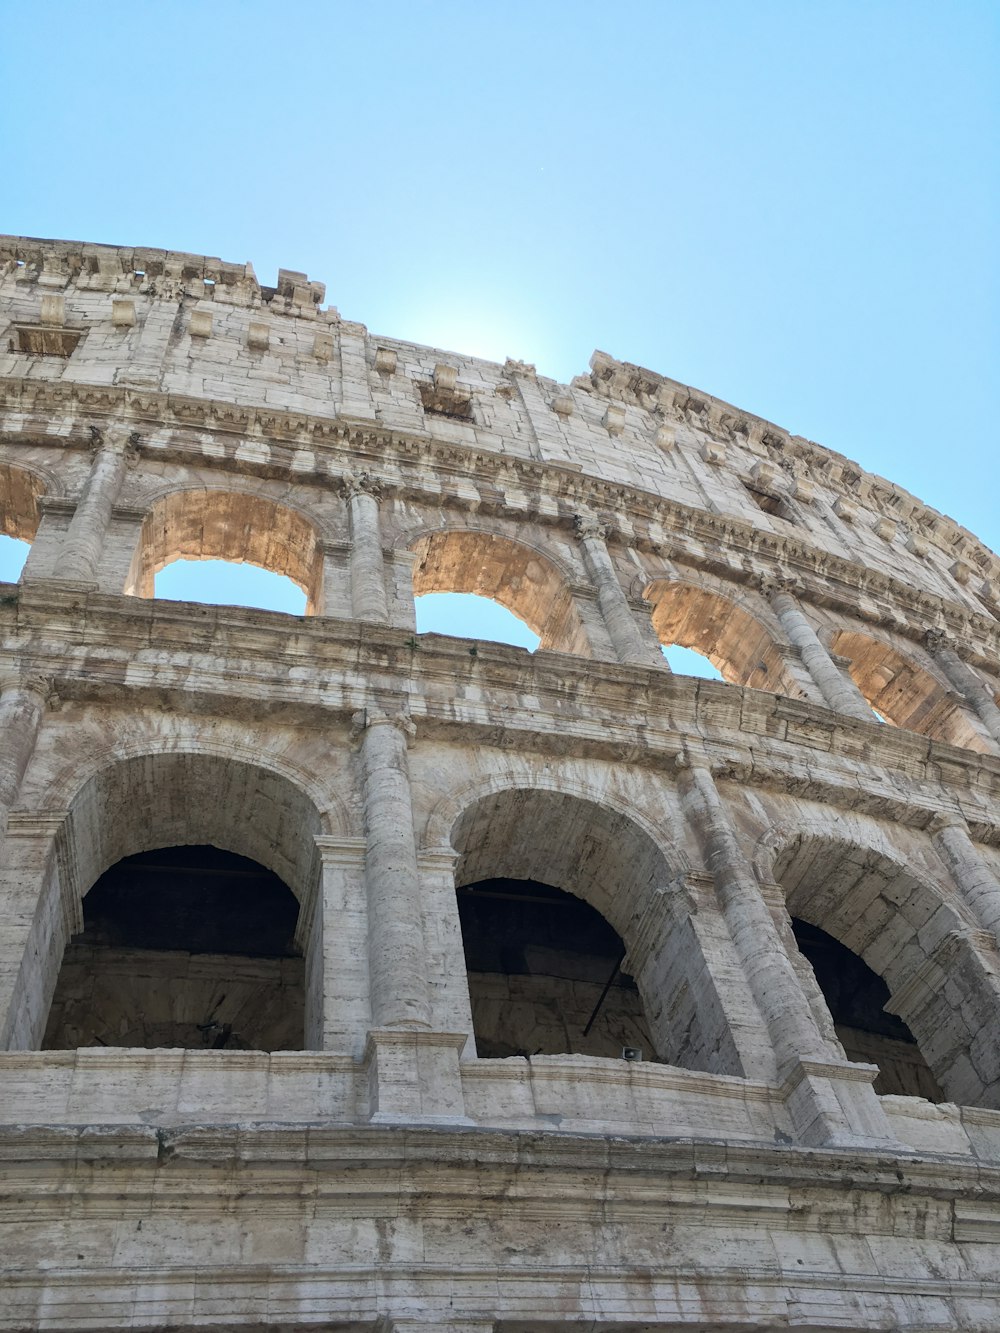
{"points": [[354, 1162]]}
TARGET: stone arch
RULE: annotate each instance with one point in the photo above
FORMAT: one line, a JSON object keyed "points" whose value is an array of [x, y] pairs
{"points": [[542, 834], [69, 780], [207, 523], [21, 489], [906, 930], [528, 582], [174, 798], [736, 641], [905, 693]]}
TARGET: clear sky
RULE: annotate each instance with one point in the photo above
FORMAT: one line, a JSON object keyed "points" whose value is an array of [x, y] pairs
{"points": [[793, 206]]}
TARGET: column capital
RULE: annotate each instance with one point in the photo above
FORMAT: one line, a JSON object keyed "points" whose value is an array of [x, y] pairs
{"points": [[32, 682], [115, 438], [362, 483], [366, 718], [936, 638], [589, 525], [947, 819], [340, 851]]}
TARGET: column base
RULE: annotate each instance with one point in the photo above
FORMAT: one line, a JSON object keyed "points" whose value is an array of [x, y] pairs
{"points": [[832, 1105], [414, 1075]]}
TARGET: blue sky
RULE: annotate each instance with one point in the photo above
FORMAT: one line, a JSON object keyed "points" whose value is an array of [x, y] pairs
{"points": [[791, 205]]}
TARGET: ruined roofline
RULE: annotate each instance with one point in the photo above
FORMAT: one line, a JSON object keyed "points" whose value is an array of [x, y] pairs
{"points": [[621, 381]]}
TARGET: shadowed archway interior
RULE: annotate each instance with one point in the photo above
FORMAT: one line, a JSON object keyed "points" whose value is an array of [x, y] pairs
{"points": [[908, 938], [556, 893], [190, 947]]}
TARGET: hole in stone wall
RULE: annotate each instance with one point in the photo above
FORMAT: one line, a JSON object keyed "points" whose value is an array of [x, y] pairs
{"points": [[771, 503], [226, 583], [545, 974], [467, 616], [189, 947], [856, 997]]}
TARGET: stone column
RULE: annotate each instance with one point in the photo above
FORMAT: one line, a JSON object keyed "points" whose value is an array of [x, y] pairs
{"points": [[23, 699], [973, 878], [829, 1099], [368, 599], [838, 690], [395, 934], [965, 680], [628, 643], [84, 540]]}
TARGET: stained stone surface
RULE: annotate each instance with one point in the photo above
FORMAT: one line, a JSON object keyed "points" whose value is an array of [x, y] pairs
{"points": [[200, 1130]]}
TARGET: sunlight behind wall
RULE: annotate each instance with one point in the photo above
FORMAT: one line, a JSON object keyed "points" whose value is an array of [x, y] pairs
{"points": [[470, 617], [686, 662], [13, 554], [223, 583]]}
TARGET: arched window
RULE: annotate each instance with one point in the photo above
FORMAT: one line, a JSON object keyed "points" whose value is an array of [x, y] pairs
{"points": [[514, 575], [905, 694], [545, 974], [896, 968], [189, 947], [558, 896], [20, 492], [736, 645], [228, 526], [471, 617], [182, 891]]}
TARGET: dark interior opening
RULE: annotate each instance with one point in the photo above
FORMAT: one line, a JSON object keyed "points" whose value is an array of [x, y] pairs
{"points": [[189, 947], [856, 997], [545, 974]]}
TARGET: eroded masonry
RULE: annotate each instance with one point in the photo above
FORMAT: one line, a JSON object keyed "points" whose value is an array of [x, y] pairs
{"points": [[359, 979]]}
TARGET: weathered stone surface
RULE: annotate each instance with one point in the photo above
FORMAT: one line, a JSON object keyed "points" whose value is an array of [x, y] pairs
{"points": [[372, 1168]]}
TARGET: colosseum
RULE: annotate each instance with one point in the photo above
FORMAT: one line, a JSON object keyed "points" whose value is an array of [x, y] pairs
{"points": [[354, 978]]}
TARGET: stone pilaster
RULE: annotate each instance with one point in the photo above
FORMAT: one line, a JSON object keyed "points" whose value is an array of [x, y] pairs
{"points": [[368, 599], [337, 952], [23, 700], [447, 977], [971, 875], [829, 1099], [838, 689], [395, 933], [84, 541], [336, 595], [618, 616], [965, 681]]}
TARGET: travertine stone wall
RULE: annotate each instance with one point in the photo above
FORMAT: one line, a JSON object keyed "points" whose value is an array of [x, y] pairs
{"points": [[382, 1174]]}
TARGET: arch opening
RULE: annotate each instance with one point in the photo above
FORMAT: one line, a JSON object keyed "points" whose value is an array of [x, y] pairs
{"points": [[150, 803], [232, 527], [905, 694], [468, 616], [20, 513], [729, 638], [545, 974], [225, 583], [869, 1032], [514, 575], [915, 943], [186, 947], [689, 662], [570, 916]]}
